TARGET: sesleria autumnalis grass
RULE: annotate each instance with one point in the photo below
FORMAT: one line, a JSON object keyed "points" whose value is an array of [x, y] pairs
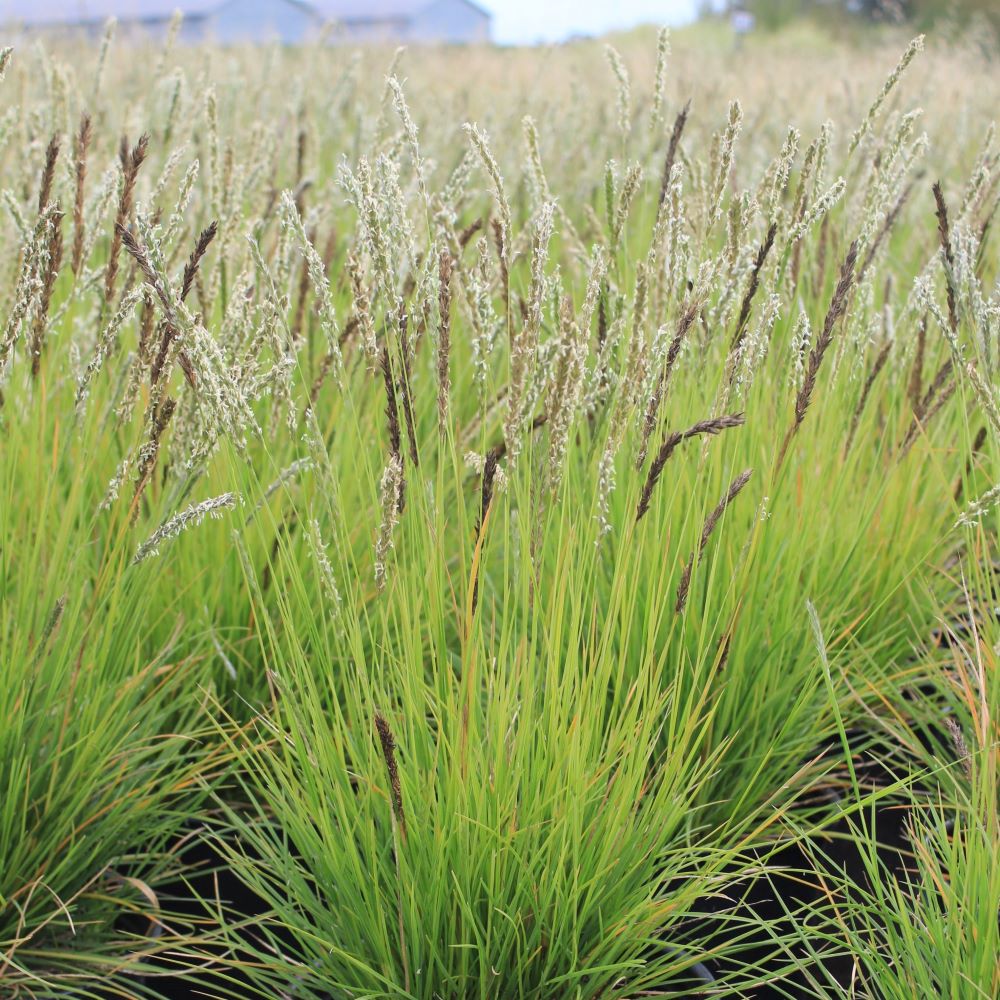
{"points": [[437, 501]]}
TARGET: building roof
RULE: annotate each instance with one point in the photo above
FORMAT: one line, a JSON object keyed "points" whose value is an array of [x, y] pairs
{"points": [[76, 11], [42, 12], [377, 10]]}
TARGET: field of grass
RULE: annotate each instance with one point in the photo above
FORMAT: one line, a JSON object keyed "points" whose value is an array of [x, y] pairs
{"points": [[527, 518]]}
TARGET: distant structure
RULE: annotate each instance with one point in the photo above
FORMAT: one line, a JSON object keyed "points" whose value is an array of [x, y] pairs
{"points": [[234, 21]]}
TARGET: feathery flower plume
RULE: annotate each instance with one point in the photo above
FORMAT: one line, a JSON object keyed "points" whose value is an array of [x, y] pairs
{"points": [[391, 498], [727, 148], [480, 143], [445, 264], [660, 79], [987, 397], [102, 58], [630, 187], [328, 580], [187, 518], [411, 133], [864, 128], [29, 284], [106, 343], [525, 344], [535, 171], [363, 308], [624, 89], [292, 220], [820, 209], [565, 390]]}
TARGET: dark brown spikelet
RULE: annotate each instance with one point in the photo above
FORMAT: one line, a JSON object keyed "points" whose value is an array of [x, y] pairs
{"points": [[444, 339], [944, 234], [406, 385], [486, 499], [976, 447], [915, 387], [712, 426], [748, 297], [48, 172], [392, 419], [938, 392], [960, 746], [656, 398], [191, 268], [388, 744], [391, 407], [880, 360], [937, 404], [838, 306], [55, 252], [301, 144], [51, 624], [489, 480], [160, 361], [668, 164], [498, 241], [131, 161], [139, 254], [711, 521], [82, 146], [469, 231], [150, 453]]}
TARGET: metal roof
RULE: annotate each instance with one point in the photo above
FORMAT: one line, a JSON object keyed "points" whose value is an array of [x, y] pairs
{"points": [[42, 12]]}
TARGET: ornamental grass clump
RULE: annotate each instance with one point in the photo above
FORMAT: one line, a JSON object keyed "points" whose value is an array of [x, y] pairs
{"points": [[499, 531]]}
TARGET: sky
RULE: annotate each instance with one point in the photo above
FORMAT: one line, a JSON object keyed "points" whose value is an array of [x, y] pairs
{"points": [[527, 21]]}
